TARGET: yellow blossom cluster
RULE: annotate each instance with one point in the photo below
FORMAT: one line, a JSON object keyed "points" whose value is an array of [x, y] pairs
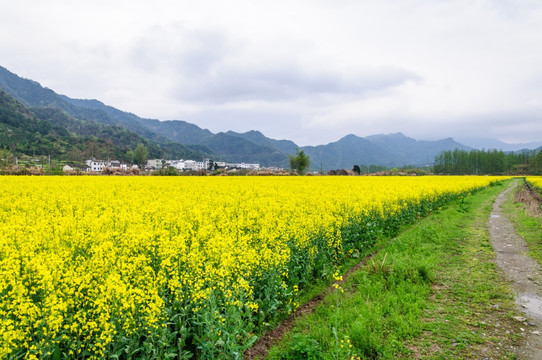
{"points": [[93, 266], [536, 181]]}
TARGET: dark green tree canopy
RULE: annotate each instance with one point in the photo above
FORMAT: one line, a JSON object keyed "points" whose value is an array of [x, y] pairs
{"points": [[300, 162], [484, 162], [140, 155]]}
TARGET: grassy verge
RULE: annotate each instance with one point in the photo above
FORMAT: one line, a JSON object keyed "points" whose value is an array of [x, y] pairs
{"points": [[527, 221], [432, 292]]}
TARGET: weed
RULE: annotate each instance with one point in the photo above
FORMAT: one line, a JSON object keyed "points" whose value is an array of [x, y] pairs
{"points": [[303, 347], [380, 268]]}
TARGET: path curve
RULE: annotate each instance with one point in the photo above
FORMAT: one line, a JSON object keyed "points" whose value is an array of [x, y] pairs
{"points": [[524, 274]]}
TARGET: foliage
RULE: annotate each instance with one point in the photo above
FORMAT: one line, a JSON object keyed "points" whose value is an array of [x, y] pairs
{"points": [[484, 162], [140, 155], [108, 267], [303, 347], [300, 162], [6, 157]]}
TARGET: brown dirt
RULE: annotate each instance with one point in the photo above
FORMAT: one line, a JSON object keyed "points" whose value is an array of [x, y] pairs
{"points": [[530, 199], [261, 347], [524, 274]]}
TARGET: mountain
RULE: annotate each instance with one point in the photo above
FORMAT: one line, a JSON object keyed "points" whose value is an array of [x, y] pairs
{"points": [[346, 152], [285, 146], [92, 117], [487, 144], [230, 146], [22, 132], [392, 150], [177, 139], [408, 151], [180, 139]]}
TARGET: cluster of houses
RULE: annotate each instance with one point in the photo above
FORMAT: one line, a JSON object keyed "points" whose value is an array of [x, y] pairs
{"points": [[99, 166], [157, 164], [187, 165]]}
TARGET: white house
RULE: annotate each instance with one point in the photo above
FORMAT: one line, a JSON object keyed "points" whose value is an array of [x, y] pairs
{"points": [[114, 164], [200, 165], [190, 165], [249, 166], [95, 165], [178, 164], [154, 163]]}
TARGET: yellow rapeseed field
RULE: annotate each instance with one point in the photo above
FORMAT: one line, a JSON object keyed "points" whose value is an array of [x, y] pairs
{"points": [[536, 181], [157, 267]]}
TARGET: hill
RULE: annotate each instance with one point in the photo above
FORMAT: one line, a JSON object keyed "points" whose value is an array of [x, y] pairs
{"points": [[22, 132], [180, 139], [91, 118]]}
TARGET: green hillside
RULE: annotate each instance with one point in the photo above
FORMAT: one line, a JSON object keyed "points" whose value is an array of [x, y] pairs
{"points": [[51, 131], [23, 133]]}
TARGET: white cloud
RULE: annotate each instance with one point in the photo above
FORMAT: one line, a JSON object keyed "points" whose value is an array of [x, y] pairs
{"points": [[312, 70]]}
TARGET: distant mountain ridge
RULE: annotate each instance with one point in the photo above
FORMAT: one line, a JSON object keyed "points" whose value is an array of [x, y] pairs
{"points": [[490, 144], [392, 150], [177, 138]]}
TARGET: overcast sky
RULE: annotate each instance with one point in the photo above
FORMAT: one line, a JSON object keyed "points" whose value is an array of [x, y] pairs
{"points": [[310, 71]]}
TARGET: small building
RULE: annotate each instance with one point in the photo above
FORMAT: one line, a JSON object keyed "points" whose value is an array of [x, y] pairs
{"points": [[154, 164], [249, 166], [96, 165], [189, 165]]}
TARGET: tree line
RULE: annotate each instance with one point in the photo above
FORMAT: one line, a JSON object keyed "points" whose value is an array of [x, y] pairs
{"points": [[486, 162]]}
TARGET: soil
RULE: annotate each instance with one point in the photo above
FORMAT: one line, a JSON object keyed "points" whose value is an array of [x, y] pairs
{"points": [[530, 199], [524, 274]]}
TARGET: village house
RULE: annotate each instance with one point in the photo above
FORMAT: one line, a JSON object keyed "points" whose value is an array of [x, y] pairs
{"points": [[192, 165], [95, 165], [99, 165], [154, 164]]}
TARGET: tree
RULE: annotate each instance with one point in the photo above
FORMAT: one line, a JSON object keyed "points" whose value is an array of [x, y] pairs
{"points": [[356, 169], [211, 165], [130, 155], [140, 155], [300, 162], [6, 157]]}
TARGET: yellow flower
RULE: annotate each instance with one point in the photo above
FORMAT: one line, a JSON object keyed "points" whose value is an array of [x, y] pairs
{"points": [[89, 260]]}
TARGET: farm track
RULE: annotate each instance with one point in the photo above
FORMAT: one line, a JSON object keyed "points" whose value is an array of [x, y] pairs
{"points": [[524, 274]]}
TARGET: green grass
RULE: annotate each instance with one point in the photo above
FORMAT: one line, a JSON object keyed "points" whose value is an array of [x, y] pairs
{"points": [[528, 226], [432, 292]]}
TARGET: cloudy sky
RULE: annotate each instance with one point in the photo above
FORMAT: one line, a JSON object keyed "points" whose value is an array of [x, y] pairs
{"points": [[311, 71]]}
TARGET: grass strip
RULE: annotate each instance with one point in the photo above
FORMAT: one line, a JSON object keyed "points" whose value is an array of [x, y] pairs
{"points": [[527, 218], [432, 292]]}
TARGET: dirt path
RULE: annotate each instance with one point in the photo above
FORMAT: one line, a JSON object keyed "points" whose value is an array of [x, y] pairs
{"points": [[523, 272]]}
